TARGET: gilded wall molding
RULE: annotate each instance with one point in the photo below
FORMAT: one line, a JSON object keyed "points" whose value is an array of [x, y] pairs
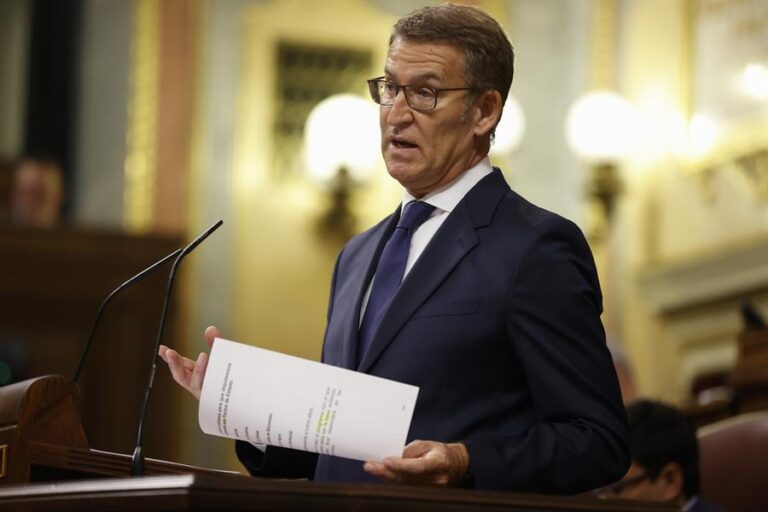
{"points": [[140, 160], [603, 44], [744, 148], [709, 277]]}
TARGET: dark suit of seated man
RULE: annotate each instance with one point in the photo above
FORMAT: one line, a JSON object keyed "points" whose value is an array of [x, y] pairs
{"points": [[487, 303]]}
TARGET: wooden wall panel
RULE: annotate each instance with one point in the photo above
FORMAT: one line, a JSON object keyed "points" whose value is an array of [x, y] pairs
{"points": [[51, 285]]}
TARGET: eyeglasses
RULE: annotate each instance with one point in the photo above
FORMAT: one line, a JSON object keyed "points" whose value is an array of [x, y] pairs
{"points": [[619, 487], [418, 97]]}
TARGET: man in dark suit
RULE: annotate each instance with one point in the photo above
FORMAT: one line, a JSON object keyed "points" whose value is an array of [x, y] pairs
{"points": [[488, 303]]}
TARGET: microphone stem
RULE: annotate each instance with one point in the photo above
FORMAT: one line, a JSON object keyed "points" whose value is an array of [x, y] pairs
{"points": [[135, 279], [137, 461]]}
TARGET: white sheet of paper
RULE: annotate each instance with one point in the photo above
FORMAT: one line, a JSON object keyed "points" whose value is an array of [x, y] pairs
{"points": [[261, 396]]}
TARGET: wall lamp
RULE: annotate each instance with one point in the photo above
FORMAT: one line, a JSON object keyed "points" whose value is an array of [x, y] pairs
{"points": [[510, 130], [342, 152], [600, 129]]}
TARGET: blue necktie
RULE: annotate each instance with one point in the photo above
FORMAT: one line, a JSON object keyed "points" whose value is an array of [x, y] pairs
{"points": [[390, 270]]}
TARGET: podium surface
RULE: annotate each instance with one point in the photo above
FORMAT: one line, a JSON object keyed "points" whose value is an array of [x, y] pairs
{"points": [[224, 493]]}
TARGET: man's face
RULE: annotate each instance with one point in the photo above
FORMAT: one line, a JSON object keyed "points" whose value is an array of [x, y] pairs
{"points": [[37, 194], [637, 484], [426, 150]]}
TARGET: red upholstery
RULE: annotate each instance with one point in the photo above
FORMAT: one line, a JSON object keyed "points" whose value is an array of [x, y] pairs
{"points": [[734, 462]]}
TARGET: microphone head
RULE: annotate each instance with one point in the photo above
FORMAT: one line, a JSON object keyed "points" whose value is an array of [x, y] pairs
{"points": [[197, 241]]}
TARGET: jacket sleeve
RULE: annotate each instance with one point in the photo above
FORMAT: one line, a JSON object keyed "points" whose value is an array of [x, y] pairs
{"points": [[579, 438], [275, 462]]}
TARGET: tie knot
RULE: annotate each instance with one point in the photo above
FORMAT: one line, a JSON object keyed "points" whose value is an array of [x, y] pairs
{"points": [[416, 212]]}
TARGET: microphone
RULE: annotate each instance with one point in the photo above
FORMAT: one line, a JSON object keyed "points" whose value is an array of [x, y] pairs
{"points": [[137, 461], [130, 282]]}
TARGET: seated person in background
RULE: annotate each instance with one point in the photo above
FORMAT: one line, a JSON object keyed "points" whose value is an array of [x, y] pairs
{"points": [[37, 193], [665, 459]]}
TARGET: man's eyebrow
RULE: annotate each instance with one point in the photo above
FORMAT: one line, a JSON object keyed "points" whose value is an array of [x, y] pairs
{"points": [[423, 77]]}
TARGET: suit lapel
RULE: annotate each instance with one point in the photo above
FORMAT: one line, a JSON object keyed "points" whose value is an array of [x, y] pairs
{"points": [[455, 238]]}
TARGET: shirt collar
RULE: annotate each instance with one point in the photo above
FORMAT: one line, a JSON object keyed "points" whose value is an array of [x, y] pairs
{"points": [[448, 196]]}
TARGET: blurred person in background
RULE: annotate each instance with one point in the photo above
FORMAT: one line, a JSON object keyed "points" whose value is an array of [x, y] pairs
{"points": [[37, 193], [665, 459]]}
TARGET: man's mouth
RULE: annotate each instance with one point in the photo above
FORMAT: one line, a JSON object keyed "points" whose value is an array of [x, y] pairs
{"points": [[402, 143]]}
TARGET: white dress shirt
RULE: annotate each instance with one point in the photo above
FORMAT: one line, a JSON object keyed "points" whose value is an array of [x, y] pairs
{"points": [[444, 200]]}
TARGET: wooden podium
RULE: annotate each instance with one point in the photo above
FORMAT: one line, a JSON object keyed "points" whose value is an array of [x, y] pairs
{"points": [[222, 494], [42, 438], [46, 464]]}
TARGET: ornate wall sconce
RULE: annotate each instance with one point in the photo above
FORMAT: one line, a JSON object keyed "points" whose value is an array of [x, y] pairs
{"points": [[341, 153], [600, 129], [755, 166]]}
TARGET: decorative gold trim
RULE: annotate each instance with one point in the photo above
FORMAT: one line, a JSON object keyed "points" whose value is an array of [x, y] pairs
{"points": [[690, 9], [741, 138], [141, 138], [738, 140], [603, 44], [197, 146], [722, 252], [3, 459]]}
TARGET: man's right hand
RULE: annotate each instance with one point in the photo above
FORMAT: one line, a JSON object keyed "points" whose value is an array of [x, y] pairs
{"points": [[188, 373]]}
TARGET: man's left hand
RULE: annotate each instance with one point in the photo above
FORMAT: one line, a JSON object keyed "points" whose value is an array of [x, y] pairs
{"points": [[424, 463]]}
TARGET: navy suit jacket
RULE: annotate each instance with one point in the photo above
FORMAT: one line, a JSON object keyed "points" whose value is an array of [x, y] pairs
{"points": [[498, 324]]}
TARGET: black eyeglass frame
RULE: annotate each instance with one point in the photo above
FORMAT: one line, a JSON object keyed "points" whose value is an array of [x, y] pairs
{"points": [[373, 89]]}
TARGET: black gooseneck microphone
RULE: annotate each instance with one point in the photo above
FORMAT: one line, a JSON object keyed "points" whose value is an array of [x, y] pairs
{"points": [[137, 461], [130, 282]]}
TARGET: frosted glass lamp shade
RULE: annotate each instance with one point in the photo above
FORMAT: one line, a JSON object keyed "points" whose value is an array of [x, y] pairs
{"points": [[511, 128], [342, 131], [754, 81], [600, 127]]}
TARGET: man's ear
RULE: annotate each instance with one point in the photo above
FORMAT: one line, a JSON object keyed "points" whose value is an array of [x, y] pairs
{"points": [[489, 106], [672, 479]]}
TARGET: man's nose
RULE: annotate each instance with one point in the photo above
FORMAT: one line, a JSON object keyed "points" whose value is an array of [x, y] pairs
{"points": [[400, 112]]}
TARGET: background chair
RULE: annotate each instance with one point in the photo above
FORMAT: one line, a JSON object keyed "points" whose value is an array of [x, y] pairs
{"points": [[734, 462]]}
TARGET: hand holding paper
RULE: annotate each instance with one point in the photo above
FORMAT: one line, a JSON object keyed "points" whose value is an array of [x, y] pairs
{"points": [[266, 397], [425, 463]]}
